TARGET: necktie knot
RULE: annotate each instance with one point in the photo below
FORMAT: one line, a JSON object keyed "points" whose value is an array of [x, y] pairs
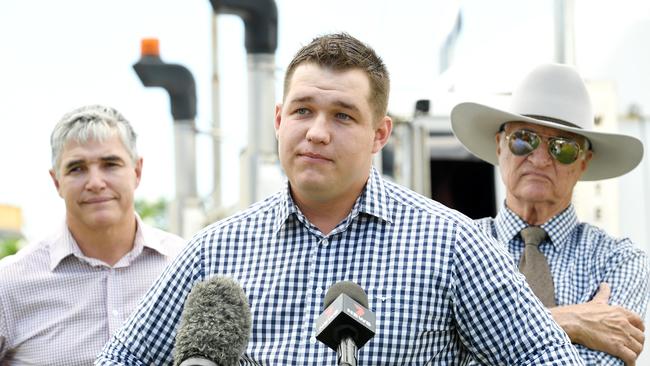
{"points": [[533, 235]]}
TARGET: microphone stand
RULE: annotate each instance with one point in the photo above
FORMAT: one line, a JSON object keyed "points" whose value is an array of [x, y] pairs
{"points": [[347, 352]]}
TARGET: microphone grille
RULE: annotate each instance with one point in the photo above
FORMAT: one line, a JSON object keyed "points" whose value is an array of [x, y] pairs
{"points": [[349, 288]]}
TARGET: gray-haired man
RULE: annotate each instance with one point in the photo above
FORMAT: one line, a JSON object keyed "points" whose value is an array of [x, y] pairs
{"points": [[62, 297], [595, 286]]}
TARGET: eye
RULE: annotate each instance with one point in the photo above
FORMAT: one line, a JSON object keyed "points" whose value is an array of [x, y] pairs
{"points": [[343, 116], [302, 111], [566, 151], [74, 169], [111, 164]]}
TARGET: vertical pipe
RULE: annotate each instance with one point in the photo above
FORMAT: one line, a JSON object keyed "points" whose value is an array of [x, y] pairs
{"points": [[261, 147], [185, 157], [216, 119], [564, 32]]}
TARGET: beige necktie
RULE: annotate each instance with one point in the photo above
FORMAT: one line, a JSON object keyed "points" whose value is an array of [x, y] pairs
{"points": [[534, 266]]}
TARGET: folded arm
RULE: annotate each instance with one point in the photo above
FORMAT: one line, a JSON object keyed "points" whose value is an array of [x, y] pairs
{"points": [[603, 327]]}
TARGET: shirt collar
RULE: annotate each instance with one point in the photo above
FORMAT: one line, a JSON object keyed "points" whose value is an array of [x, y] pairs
{"points": [[372, 201], [508, 225], [65, 245]]}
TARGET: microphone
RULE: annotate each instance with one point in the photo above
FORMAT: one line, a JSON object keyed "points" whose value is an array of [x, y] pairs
{"points": [[346, 324], [215, 325]]}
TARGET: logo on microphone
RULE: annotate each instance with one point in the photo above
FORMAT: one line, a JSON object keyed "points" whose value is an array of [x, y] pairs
{"points": [[360, 311], [329, 311], [359, 315]]}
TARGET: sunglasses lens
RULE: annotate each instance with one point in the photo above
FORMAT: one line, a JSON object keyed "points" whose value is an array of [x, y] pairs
{"points": [[523, 142], [563, 150]]}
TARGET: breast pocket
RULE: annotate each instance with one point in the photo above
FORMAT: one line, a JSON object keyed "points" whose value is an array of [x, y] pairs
{"points": [[410, 322]]}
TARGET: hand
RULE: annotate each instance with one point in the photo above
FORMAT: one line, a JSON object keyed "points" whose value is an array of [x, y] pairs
{"points": [[602, 327]]}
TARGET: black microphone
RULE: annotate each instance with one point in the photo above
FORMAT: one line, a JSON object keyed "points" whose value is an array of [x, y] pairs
{"points": [[346, 324], [215, 325]]}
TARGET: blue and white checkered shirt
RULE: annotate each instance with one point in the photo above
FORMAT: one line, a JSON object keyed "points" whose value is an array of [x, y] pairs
{"points": [[581, 257], [441, 289]]}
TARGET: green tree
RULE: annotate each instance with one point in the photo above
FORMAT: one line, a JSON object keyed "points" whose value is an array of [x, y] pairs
{"points": [[9, 246], [153, 213]]}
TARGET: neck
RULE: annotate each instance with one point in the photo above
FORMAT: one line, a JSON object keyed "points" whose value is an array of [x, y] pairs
{"points": [[535, 213], [108, 244], [325, 215]]}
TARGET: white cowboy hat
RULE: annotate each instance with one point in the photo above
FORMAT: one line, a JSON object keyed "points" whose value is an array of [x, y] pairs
{"points": [[556, 93]]}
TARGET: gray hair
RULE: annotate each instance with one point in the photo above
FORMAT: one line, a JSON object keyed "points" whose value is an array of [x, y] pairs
{"points": [[92, 122]]}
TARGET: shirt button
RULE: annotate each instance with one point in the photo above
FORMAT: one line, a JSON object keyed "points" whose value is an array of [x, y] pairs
{"points": [[116, 313], [319, 291], [325, 242], [312, 340]]}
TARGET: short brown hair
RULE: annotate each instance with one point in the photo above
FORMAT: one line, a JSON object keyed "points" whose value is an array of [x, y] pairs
{"points": [[341, 52]]}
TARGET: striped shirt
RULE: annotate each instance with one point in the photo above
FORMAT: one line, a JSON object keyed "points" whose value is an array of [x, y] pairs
{"points": [[441, 289], [59, 307], [581, 257]]}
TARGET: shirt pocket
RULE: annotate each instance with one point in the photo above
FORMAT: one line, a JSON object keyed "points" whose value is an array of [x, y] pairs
{"points": [[411, 319]]}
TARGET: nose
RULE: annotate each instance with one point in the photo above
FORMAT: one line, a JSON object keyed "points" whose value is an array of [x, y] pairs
{"points": [[540, 156], [318, 131], [95, 180]]}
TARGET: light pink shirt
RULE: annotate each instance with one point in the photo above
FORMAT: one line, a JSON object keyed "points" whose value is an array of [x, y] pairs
{"points": [[59, 307]]}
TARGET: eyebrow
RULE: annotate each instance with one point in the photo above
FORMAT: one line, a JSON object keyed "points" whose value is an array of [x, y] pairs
{"points": [[340, 103]]}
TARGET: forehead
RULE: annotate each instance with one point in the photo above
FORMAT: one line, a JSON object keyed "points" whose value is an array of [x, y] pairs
{"points": [[93, 149], [309, 78], [539, 129]]}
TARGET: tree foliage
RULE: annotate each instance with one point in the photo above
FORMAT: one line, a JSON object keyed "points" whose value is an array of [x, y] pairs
{"points": [[153, 213], [9, 246]]}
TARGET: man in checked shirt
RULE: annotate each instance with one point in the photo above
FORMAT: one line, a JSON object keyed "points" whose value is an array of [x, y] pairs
{"points": [[595, 286], [442, 290]]}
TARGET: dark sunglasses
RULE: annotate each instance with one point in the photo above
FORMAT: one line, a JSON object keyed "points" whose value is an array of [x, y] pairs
{"points": [[563, 149]]}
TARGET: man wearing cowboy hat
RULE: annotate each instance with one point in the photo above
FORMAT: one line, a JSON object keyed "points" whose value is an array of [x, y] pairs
{"points": [[595, 286]]}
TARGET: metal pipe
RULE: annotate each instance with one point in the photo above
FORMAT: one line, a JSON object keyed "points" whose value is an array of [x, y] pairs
{"points": [[564, 32], [216, 119], [261, 22], [179, 84]]}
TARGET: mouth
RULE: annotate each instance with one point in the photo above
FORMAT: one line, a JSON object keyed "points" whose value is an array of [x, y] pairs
{"points": [[536, 175], [96, 200], [313, 156]]}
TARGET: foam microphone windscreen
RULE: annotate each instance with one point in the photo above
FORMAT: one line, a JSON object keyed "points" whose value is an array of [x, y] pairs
{"points": [[216, 323], [346, 287]]}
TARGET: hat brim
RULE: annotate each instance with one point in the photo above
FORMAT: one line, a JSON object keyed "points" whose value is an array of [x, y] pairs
{"points": [[476, 125]]}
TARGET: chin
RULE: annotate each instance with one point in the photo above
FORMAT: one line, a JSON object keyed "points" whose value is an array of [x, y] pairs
{"points": [[103, 220], [535, 196], [313, 179]]}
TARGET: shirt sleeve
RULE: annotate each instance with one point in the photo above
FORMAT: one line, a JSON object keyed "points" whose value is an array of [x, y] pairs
{"points": [[4, 330], [499, 318], [627, 272], [147, 337], [628, 275], [593, 357]]}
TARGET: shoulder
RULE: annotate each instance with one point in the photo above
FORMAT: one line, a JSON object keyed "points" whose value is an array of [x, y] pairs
{"points": [[167, 243], [27, 263], [259, 213], [486, 224], [604, 244], [405, 201]]}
